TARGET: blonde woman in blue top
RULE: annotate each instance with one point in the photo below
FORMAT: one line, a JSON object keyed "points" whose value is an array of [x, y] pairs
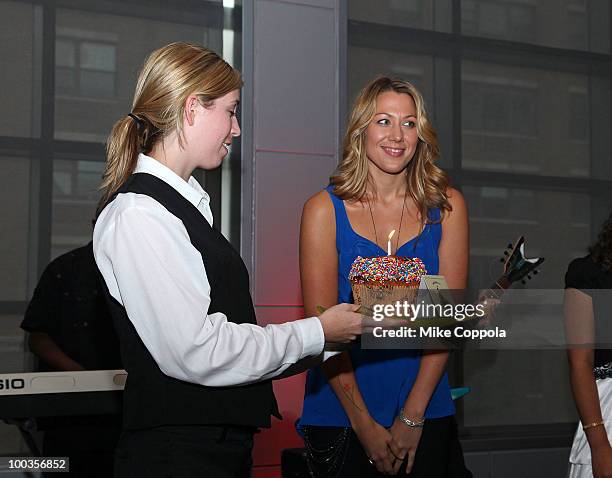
{"points": [[386, 180]]}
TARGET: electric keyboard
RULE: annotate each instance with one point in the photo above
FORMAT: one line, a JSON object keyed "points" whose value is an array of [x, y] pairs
{"points": [[52, 394]]}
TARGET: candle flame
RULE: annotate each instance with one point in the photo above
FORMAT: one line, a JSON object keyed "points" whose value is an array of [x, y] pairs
{"points": [[391, 234]]}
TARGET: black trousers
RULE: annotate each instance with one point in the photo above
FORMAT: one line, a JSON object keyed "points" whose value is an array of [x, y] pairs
{"points": [[90, 446], [185, 452], [438, 455]]}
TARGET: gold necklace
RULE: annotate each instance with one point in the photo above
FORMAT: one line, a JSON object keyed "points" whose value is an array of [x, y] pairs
{"points": [[399, 229]]}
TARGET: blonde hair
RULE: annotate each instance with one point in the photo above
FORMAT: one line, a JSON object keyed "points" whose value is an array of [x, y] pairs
{"points": [[427, 184], [169, 76]]}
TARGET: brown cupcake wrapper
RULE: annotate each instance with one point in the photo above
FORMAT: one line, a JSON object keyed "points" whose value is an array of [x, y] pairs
{"points": [[384, 293]]}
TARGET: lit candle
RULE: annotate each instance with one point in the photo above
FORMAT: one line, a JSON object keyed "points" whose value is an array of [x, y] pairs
{"points": [[389, 242]]}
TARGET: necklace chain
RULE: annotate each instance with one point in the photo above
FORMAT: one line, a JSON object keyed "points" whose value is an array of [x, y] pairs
{"points": [[399, 229]]}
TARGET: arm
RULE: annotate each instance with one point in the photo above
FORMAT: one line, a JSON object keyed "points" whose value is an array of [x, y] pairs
{"points": [[43, 315], [453, 257], [580, 329], [152, 269], [43, 346], [319, 277]]}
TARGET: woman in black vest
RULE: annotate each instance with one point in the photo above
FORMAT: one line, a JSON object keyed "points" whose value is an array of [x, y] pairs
{"points": [[198, 364]]}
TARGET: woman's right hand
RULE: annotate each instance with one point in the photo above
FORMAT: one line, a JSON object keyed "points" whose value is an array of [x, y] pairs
{"points": [[375, 440], [341, 323], [602, 461]]}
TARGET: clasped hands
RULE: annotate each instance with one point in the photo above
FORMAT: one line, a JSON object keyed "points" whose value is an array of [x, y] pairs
{"points": [[389, 449]]}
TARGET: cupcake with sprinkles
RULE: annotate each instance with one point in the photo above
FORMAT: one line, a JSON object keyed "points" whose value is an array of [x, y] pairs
{"points": [[386, 279]]}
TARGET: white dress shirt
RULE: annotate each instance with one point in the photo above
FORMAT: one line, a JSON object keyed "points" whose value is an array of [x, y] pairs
{"points": [[152, 269]]}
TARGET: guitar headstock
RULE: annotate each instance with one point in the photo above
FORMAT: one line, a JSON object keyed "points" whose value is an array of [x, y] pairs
{"points": [[516, 265]]}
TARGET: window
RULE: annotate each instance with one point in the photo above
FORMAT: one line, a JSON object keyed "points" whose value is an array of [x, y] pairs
{"points": [[19, 48], [75, 197], [52, 152], [575, 25], [413, 13], [578, 118], [524, 133], [499, 19], [85, 68], [500, 107], [518, 119]]}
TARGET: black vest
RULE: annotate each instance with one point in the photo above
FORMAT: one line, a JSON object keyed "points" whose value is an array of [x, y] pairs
{"points": [[152, 398]]}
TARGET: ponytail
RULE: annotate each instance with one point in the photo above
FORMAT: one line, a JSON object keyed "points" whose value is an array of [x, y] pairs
{"points": [[122, 150]]}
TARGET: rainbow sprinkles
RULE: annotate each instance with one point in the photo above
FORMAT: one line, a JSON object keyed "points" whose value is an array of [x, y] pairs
{"points": [[391, 270]]}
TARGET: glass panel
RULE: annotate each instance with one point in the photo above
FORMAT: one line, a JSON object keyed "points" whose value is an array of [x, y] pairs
{"points": [[97, 84], [424, 14], [571, 24], [498, 216], [13, 357], [532, 121], [516, 120], [530, 386], [364, 64], [98, 56], [111, 50], [578, 118], [75, 197], [15, 218], [517, 388], [425, 72], [65, 53], [18, 85], [65, 81]]}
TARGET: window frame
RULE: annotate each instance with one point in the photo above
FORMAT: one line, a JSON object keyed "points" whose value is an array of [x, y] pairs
{"points": [[456, 48], [44, 149]]}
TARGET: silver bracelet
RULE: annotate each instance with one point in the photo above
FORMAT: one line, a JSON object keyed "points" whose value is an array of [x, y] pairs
{"points": [[410, 423]]}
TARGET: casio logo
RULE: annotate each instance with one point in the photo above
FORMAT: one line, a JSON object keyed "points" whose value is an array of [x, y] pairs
{"points": [[12, 384]]}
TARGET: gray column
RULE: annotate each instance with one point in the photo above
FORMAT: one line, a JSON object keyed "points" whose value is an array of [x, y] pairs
{"points": [[291, 130], [294, 67]]}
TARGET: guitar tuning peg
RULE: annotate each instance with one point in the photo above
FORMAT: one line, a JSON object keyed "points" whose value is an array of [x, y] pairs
{"points": [[509, 246], [528, 277], [535, 272], [506, 253]]}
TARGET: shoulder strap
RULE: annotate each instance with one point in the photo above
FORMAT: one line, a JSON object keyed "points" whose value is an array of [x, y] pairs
{"points": [[434, 214], [342, 221]]}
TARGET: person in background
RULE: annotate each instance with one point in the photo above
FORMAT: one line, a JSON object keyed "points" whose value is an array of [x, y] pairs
{"points": [[371, 413], [588, 308], [70, 329]]}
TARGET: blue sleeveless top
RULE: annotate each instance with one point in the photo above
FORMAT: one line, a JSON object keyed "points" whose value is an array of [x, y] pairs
{"points": [[385, 377]]}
